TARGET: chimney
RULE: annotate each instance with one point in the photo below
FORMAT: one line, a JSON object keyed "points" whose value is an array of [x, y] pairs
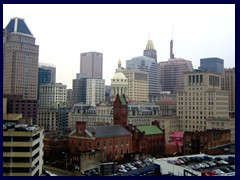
{"points": [[94, 134]]}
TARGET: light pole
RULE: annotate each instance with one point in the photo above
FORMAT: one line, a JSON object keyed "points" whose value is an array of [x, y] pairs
{"points": [[66, 159]]}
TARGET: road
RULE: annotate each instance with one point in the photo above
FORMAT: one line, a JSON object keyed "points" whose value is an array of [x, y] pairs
{"points": [[60, 172]]}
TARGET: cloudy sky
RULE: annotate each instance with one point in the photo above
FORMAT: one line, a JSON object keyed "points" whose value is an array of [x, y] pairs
{"points": [[122, 31]]}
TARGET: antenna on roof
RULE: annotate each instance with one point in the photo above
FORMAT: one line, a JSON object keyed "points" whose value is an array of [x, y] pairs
{"points": [[171, 46], [148, 33]]}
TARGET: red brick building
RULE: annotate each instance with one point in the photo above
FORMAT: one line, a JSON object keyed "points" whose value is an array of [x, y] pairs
{"points": [[147, 139], [120, 111], [114, 141]]}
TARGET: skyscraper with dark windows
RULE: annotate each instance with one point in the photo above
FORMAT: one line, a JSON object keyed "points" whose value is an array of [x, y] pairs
{"points": [[212, 64], [91, 64], [46, 74]]}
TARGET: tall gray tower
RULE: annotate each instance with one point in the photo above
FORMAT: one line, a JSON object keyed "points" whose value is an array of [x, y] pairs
{"points": [[91, 64]]}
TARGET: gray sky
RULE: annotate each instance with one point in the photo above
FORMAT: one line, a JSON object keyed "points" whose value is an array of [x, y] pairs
{"points": [[122, 31]]}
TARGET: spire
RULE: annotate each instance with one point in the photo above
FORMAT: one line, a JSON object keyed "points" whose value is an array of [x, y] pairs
{"points": [[119, 64], [171, 46]]}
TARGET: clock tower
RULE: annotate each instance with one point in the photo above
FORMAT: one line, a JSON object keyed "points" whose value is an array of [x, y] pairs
{"points": [[120, 111]]}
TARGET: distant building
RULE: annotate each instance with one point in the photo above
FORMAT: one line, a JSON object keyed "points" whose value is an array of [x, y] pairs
{"points": [[46, 74], [171, 73], [91, 64], [20, 60], [51, 94], [137, 85], [149, 65], [168, 107], [16, 104], [113, 141], [79, 90], [120, 111], [119, 84], [150, 51], [69, 97], [212, 64], [54, 118], [228, 84], [22, 150], [201, 99], [147, 139], [95, 92]]}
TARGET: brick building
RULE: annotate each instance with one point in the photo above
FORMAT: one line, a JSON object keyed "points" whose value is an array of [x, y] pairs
{"points": [[114, 141]]}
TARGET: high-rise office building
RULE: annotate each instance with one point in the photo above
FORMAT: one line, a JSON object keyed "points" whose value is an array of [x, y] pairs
{"points": [[228, 84], [20, 60], [171, 74], [212, 64], [69, 97], [52, 94], [46, 74], [201, 100], [91, 64], [95, 92], [79, 89], [149, 65], [150, 51]]}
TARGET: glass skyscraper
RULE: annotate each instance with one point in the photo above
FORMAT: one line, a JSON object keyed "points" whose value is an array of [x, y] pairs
{"points": [[212, 64]]}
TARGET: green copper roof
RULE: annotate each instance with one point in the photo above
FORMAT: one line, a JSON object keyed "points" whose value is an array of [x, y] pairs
{"points": [[123, 100], [150, 129]]}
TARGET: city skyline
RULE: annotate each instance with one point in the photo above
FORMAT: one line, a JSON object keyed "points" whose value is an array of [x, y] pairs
{"points": [[122, 32]]}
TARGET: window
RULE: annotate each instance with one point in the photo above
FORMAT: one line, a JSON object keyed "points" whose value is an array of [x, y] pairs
{"points": [[116, 143]]}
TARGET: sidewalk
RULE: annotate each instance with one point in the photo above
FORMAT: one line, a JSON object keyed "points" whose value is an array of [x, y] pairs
{"points": [[62, 171]]}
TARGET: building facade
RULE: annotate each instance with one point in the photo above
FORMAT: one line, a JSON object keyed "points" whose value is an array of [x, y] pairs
{"points": [[212, 64], [46, 74], [22, 150], [149, 65], [79, 91], [228, 84], [201, 99], [95, 91], [20, 60], [114, 141], [16, 104], [171, 73], [137, 85], [52, 94], [54, 118], [91, 64]]}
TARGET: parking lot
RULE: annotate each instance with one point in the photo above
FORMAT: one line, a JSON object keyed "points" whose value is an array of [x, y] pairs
{"points": [[137, 168], [207, 165]]}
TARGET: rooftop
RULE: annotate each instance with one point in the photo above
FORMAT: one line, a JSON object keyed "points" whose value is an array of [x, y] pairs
{"points": [[18, 25], [149, 129]]}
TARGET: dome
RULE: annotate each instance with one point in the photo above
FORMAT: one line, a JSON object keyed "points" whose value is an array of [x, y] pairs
{"points": [[119, 79], [119, 75]]}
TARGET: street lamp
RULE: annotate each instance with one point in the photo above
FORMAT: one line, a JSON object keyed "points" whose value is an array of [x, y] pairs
{"points": [[66, 159]]}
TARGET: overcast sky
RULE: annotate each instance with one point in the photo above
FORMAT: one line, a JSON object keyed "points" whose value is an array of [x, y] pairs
{"points": [[122, 31]]}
